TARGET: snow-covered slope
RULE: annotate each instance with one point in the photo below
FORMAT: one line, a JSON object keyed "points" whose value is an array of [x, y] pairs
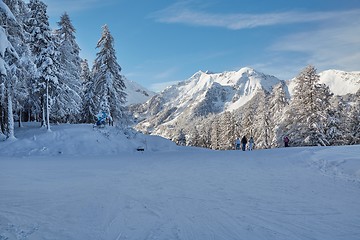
{"points": [[136, 93], [202, 94], [80, 139], [105, 190]]}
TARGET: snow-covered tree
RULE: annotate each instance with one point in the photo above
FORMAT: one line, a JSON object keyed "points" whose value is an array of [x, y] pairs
{"points": [[108, 82], [44, 50], [27, 69], [277, 104], [338, 122], [89, 107], [180, 138], [8, 66], [215, 133], [227, 129], [85, 73], [261, 122], [193, 136], [67, 104], [308, 113], [354, 123]]}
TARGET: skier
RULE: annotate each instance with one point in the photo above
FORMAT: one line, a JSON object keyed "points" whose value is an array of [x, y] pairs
{"points": [[244, 142], [286, 141], [237, 144], [251, 143]]}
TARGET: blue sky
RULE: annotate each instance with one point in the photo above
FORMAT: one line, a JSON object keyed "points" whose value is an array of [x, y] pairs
{"points": [[164, 41]]}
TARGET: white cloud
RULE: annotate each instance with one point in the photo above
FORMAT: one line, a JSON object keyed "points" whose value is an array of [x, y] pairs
{"points": [[183, 14], [166, 74], [158, 87], [334, 45]]}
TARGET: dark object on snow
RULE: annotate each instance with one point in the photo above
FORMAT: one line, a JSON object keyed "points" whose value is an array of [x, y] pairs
{"points": [[101, 119], [140, 149], [286, 141], [244, 142]]}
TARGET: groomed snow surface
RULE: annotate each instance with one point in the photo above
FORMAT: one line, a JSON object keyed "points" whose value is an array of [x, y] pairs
{"points": [[78, 183]]}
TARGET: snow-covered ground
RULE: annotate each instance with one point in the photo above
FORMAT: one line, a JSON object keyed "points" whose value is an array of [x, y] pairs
{"points": [[79, 183]]}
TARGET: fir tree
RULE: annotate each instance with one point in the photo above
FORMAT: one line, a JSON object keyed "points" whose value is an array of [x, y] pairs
{"points": [[108, 83], [9, 66], [307, 115], [277, 104], [43, 47], [68, 101], [180, 138], [261, 123], [354, 123], [227, 129], [27, 68], [215, 134], [89, 107]]}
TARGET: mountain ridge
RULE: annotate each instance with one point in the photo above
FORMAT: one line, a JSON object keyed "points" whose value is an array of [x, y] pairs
{"points": [[214, 93]]}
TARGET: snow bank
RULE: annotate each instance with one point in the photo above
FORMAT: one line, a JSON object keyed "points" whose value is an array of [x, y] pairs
{"points": [[337, 163], [82, 139]]}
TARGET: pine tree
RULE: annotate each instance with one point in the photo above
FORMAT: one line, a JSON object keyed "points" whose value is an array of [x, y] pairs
{"points": [[89, 107], [261, 123], [277, 104], [85, 73], [27, 68], [68, 101], [337, 130], [108, 83], [354, 123], [8, 66], [43, 47], [215, 133], [227, 129], [180, 138], [308, 113]]}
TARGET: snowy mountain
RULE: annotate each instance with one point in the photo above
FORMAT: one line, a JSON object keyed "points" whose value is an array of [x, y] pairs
{"points": [[136, 93], [202, 94], [339, 82]]}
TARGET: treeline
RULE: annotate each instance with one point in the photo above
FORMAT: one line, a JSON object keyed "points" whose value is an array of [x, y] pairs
{"points": [[313, 116], [43, 78]]}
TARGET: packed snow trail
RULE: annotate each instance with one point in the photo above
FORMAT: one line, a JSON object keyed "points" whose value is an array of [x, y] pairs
{"points": [[184, 194]]}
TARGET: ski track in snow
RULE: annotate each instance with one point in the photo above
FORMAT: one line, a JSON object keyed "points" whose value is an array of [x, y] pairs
{"points": [[188, 195], [111, 192]]}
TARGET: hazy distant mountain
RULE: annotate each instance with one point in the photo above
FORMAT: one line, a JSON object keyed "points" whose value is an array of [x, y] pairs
{"points": [[136, 93]]}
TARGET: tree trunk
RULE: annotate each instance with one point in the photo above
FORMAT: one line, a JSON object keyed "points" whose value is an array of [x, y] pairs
{"points": [[11, 134], [20, 120], [43, 122], [47, 107]]}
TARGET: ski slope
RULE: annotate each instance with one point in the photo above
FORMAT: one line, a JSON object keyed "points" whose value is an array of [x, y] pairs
{"points": [[170, 192]]}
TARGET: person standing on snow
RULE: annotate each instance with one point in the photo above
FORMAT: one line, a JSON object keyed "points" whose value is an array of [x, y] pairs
{"points": [[286, 141], [244, 142], [251, 143], [237, 144]]}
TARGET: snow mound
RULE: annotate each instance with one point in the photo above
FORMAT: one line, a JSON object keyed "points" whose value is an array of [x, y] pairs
{"points": [[81, 139], [336, 163]]}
